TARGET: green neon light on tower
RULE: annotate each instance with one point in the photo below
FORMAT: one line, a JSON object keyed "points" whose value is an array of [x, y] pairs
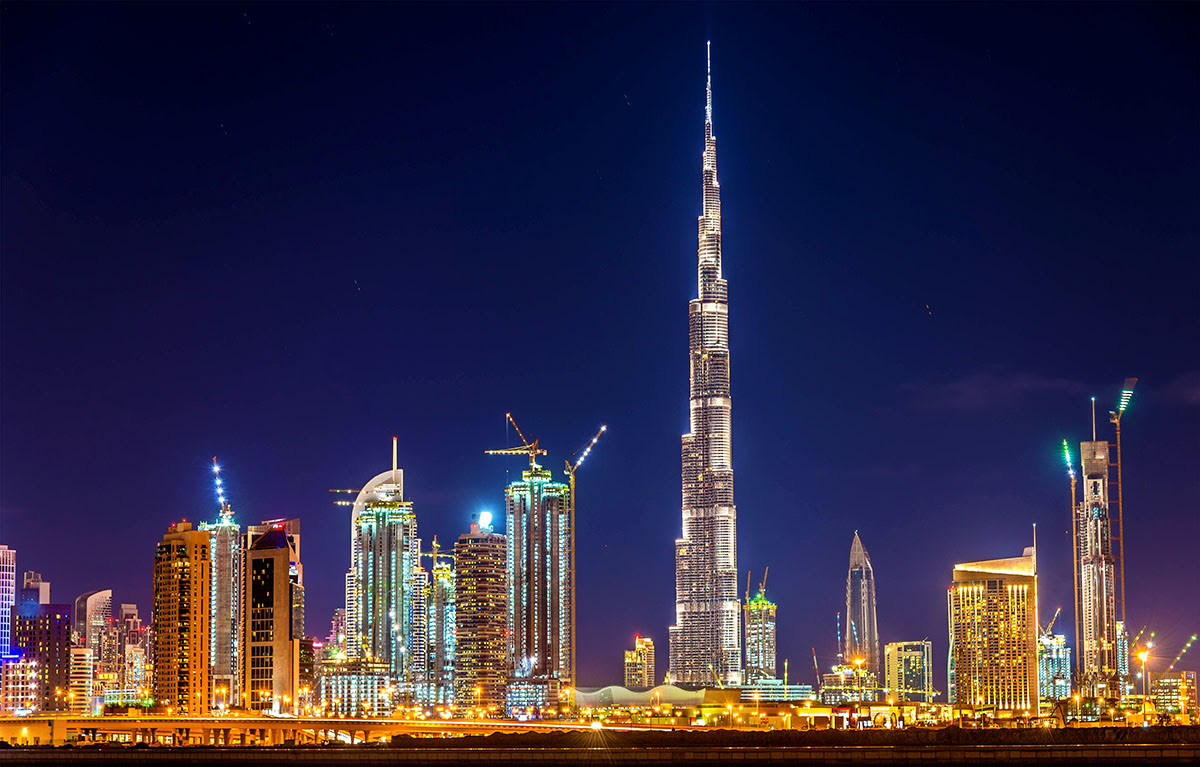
{"points": [[1067, 458]]}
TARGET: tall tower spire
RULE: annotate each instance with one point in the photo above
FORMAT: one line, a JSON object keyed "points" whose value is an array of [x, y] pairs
{"points": [[706, 638]]}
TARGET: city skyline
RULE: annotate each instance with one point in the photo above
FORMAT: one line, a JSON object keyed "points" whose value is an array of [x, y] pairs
{"points": [[822, 309]]}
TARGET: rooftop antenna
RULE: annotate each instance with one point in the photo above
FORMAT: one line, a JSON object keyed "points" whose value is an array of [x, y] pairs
{"points": [[1093, 419], [708, 89], [395, 465]]}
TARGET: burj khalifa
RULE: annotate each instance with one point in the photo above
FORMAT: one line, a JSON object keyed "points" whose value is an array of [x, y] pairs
{"points": [[706, 637]]}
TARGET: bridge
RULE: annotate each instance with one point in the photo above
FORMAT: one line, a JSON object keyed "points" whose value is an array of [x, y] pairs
{"points": [[232, 729]]}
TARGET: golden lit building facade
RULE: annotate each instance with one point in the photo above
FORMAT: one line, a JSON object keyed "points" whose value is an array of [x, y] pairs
{"points": [[639, 663], [481, 618], [992, 614], [182, 580], [270, 657]]}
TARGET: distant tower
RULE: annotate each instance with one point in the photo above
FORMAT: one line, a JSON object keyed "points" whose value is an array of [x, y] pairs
{"points": [[8, 596], [639, 663], [42, 634], [225, 551], [93, 611], [705, 642], [862, 633], [182, 579], [386, 552], [481, 617], [992, 611], [760, 636], [81, 669]]}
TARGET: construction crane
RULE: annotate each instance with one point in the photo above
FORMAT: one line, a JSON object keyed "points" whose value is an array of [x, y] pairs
{"points": [[816, 670], [762, 586], [527, 448], [747, 587], [1074, 548], [1186, 646], [1114, 417], [570, 469], [1050, 625]]}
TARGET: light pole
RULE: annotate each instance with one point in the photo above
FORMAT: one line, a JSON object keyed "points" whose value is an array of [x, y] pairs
{"points": [[1142, 656]]}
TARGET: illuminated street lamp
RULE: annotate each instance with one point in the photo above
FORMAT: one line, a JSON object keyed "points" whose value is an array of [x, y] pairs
{"points": [[1142, 656]]}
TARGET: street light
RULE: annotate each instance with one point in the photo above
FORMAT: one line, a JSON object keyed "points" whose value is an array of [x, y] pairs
{"points": [[1142, 656]]}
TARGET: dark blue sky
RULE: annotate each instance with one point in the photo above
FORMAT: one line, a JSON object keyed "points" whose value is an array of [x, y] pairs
{"points": [[281, 234]]}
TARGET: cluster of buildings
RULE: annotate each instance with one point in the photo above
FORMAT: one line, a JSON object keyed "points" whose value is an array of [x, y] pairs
{"points": [[487, 626]]}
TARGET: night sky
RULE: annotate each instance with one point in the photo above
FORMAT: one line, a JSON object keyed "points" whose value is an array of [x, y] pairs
{"points": [[280, 234]]}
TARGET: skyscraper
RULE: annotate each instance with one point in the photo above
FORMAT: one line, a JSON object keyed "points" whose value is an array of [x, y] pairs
{"points": [[481, 589], [42, 634], [225, 550], [540, 599], [908, 671], [182, 579], [639, 663], [79, 695], [1054, 667], [862, 633], [291, 532], [270, 662], [705, 642], [93, 611], [760, 637], [1096, 644], [386, 553], [442, 609], [992, 615], [8, 596]]}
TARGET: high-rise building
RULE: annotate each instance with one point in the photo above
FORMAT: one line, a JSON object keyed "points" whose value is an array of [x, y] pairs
{"points": [[1123, 659], [93, 611], [481, 591], [335, 643], [181, 620], [759, 619], [862, 633], [354, 686], [8, 596], [1054, 667], [34, 590], [20, 685], [847, 683], [1174, 692], [639, 663], [79, 693], [42, 634], [225, 551], [908, 671], [1096, 576], [705, 642], [291, 531], [992, 614], [541, 600], [386, 554], [442, 612], [270, 671]]}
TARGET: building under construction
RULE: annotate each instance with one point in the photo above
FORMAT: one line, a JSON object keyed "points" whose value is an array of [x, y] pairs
{"points": [[759, 620], [1099, 570]]}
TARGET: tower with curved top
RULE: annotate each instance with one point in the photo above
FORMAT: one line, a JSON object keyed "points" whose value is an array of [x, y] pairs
{"points": [[862, 633]]}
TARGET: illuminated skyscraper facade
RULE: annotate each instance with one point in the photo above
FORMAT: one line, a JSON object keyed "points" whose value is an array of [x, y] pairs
{"points": [[992, 615], [705, 642], [541, 599], [92, 613], [386, 554], [908, 671], [442, 611], [1054, 667], [270, 663], [225, 550], [182, 579], [760, 638], [42, 636], [862, 633], [481, 618], [639, 663], [8, 596], [1096, 645]]}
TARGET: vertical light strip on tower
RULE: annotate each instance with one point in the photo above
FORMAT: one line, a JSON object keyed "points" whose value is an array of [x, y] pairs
{"points": [[225, 590], [705, 642]]}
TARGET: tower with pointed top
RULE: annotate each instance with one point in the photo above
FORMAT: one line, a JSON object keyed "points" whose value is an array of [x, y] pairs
{"points": [[862, 634], [705, 642]]}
